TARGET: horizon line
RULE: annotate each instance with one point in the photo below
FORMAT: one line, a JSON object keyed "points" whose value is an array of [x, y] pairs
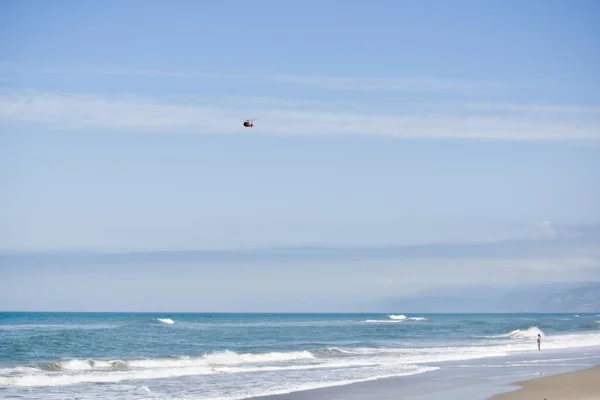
{"points": [[289, 312], [299, 247]]}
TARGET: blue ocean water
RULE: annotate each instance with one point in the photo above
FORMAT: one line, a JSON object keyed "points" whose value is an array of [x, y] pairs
{"points": [[237, 356]]}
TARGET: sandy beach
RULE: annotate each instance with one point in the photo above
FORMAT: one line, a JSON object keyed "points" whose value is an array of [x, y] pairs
{"points": [[579, 385]]}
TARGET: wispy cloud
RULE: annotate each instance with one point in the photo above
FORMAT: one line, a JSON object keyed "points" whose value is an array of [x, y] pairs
{"points": [[534, 108], [202, 116], [148, 73], [322, 82], [546, 230], [389, 84]]}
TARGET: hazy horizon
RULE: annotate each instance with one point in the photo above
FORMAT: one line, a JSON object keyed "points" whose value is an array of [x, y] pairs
{"points": [[316, 279]]}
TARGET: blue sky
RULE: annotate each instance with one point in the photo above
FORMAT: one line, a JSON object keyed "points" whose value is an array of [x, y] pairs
{"points": [[391, 123]]}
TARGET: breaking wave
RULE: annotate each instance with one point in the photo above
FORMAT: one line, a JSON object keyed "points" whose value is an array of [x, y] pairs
{"points": [[395, 318], [266, 354], [69, 372], [529, 333], [345, 363], [226, 357]]}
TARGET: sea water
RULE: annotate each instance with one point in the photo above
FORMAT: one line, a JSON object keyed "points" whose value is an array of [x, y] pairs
{"points": [[236, 356]]}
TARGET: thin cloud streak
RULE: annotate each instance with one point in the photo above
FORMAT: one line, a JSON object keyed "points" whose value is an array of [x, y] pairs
{"points": [[390, 84], [133, 113], [330, 83], [386, 84], [534, 108]]}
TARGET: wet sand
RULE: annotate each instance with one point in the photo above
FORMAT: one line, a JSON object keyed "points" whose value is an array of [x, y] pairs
{"points": [[575, 379], [578, 385]]}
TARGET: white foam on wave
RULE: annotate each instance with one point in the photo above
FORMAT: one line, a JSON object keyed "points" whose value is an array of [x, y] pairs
{"points": [[567, 341], [514, 342], [84, 365], [40, 379], [333, 351], [402, 317], [297, 387], [392, 355], [226, 357], [528, 333], [43, 379], [364, 361], [519, 334], [332, 365], [103, 371], [166, 321], [395, 319], [382, 321]]}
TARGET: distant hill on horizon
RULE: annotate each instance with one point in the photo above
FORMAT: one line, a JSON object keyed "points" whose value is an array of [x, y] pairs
{"points": [[567, 297], [584, 299]]}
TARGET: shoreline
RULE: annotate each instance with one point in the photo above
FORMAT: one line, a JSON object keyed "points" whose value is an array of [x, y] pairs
{"points": [[577, 376], [581, 385]]}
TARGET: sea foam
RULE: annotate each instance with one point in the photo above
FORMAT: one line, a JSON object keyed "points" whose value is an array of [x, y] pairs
{"points": [[394, 319], [528, 333], [263, 353]]}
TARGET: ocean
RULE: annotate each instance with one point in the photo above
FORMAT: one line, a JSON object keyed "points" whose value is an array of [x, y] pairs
{"points": [[237, 356]]}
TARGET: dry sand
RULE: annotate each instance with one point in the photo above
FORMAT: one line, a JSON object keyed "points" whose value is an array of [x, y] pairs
{"points": [[578, 385]]}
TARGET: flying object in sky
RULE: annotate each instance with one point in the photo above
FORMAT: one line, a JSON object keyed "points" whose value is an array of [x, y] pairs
{"points": [[248, 123]]}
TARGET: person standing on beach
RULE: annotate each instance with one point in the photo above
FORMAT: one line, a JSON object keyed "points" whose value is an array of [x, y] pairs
{"points": [[539, 341]]}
